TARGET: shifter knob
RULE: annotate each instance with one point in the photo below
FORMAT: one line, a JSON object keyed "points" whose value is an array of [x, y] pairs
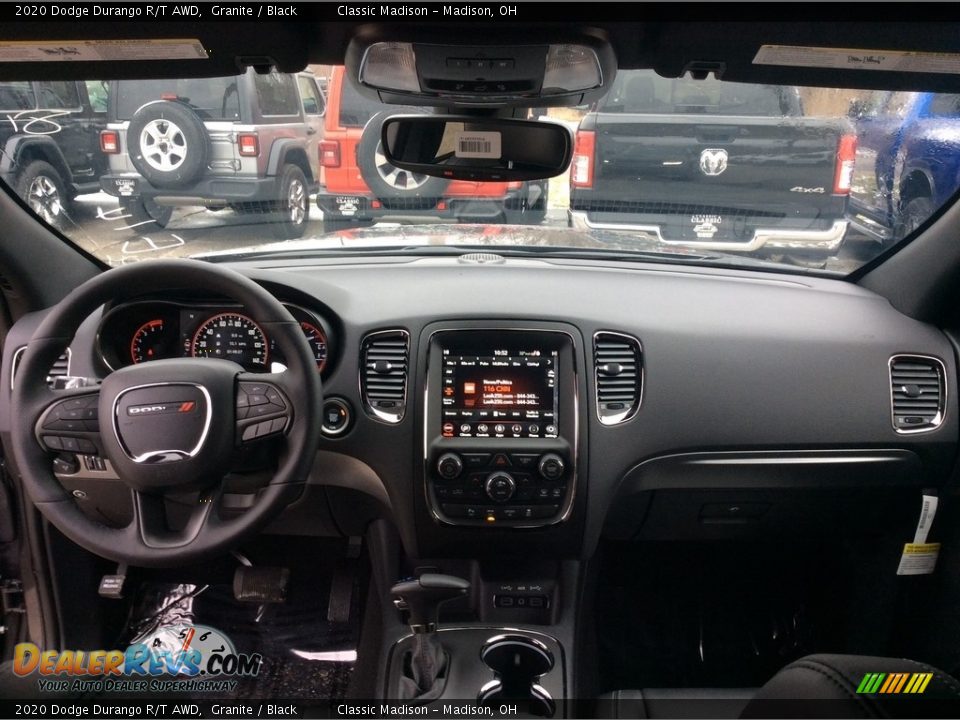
{"points": [[423, 596]]}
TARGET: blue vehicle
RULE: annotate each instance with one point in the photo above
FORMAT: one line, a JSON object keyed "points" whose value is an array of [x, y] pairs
{"points": [[908, 161]]}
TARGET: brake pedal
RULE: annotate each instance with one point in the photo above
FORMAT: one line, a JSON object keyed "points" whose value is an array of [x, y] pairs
{"points": [[261, 585]]}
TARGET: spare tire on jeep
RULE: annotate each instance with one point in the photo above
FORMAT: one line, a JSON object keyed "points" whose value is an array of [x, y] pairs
{"points": [[386, 180], [168, 144]]}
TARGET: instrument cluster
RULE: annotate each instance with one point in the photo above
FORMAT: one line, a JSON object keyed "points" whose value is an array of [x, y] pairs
{"points": [[153, 330]]}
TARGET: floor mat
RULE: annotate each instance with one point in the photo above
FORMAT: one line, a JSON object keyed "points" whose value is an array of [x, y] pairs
{"points": [[306, 656], [674, 615]]}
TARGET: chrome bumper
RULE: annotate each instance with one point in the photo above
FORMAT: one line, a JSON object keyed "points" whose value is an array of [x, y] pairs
{"points": [[778, 240]]}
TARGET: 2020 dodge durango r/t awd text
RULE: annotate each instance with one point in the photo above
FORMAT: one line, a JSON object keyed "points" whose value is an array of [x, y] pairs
{"points": [[263, 455]]}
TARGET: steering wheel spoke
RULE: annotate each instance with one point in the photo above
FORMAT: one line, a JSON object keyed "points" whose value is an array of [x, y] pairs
{"points": [[263, 406], [70, 423], [151, 519]]}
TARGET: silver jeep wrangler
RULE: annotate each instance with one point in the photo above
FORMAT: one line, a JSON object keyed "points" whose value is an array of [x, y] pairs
{"points": [[248, 142]]}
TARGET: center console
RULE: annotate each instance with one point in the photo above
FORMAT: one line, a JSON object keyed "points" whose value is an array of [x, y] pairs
{"points": [[501, 427]]}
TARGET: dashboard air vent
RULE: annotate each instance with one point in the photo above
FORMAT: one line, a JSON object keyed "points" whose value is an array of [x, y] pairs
{"points": [[61, 368], [618, 371], [918, 393], [383, 377], [481, 259]]}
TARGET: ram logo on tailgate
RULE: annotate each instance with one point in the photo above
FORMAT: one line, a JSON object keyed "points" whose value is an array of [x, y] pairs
{"points": [[713, 161]]}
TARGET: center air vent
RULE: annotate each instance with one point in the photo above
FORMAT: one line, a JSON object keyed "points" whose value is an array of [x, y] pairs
{"points": [[61, 368], [618, 372], [481, 259], [383, 377], [918, 393]]}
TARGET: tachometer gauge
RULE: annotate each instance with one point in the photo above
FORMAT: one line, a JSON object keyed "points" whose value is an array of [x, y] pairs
{"points": [[152, 341], [318, 343], [232, 336]]}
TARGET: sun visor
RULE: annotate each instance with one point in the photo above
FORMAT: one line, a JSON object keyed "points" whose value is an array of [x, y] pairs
{"points": [[87, 50]]}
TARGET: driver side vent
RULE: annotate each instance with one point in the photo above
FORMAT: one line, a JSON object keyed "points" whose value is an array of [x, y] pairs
{"points": [[61, 368], [917, 392], [383, 378], [618, 372]]}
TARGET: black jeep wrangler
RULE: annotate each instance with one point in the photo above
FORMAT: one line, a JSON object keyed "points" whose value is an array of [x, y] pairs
{"points": [[49, 142]]}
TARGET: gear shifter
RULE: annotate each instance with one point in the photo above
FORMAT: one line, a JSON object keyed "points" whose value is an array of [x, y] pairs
{"points": [[426, 668]]}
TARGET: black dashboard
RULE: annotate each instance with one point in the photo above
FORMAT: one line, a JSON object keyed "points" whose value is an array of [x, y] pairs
{"points": [[539, 403]]}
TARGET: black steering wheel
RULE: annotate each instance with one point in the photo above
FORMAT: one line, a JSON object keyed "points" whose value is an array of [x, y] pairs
{"points": [[167, 426]]}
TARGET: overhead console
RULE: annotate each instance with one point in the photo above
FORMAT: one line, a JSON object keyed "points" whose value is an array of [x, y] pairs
{"points": [[501, 427]]}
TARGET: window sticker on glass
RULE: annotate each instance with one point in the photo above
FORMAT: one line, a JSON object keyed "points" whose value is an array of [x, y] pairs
{"points": [[478, 145], [98, 50]]}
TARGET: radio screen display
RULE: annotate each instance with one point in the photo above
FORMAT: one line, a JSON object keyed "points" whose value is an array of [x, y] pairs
{"points": [[503, 394]]}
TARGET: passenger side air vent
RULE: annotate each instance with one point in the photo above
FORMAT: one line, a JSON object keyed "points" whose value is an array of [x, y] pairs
{"points": [[383, 377], [61, 368], [918, 393], [618, 370]]}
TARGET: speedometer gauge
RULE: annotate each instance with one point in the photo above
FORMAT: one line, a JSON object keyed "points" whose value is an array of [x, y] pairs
{"points": [[232, 336], [318, 343]]}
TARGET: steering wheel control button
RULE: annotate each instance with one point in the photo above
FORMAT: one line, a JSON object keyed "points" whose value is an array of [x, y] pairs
{"points": [[551, 466], [449, 466], [52, 442], [336, 416], [262, 408]]}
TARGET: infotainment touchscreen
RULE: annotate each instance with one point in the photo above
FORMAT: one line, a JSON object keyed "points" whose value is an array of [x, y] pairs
{"points": [[499, 393]]}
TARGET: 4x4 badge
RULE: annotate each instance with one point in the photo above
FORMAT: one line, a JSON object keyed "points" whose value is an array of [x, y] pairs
{"points": [[713, 161]]}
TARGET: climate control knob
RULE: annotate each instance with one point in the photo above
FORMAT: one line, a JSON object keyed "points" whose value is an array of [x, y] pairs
{"points": [[551, 466], [500, 487], [449, 466]]}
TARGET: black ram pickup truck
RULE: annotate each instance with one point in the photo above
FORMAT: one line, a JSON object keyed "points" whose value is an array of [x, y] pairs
{"points": [[713, 165]]}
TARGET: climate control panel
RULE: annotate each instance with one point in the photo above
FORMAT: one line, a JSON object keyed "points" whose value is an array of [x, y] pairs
{"points": [[499, 487]]}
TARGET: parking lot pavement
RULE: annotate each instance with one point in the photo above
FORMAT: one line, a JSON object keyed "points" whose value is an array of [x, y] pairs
{"points": [[98, 226]]}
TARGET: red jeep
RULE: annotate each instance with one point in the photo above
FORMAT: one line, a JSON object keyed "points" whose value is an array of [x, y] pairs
{"points": [[358, 185]]}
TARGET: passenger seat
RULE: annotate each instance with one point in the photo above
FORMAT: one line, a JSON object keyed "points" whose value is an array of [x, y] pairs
{"points": [[816, 686]]}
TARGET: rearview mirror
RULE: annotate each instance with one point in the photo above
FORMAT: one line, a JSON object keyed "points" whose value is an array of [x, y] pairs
{"points": [[483, 149]]}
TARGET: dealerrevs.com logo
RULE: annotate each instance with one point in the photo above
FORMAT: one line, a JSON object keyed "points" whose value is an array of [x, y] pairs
{"points": [[181, 658]]}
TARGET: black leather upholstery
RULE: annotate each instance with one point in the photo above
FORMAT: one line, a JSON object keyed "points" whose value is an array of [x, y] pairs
{"points": [[816, 686], [826, 686]]}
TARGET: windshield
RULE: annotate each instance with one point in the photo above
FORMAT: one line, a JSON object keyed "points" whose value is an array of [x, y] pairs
{"points": [[698, 171]]}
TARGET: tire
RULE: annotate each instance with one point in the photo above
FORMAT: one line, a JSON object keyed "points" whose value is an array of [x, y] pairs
{"points": [[168, 144], [385, 180], [292, 209], [143, 211], [914, 214], [42, 189]]}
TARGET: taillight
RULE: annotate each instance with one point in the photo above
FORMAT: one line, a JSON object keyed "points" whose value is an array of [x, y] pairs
{"points": [[330, 153], [110, 141], [248, 144], [581, 173], [846, 156]]}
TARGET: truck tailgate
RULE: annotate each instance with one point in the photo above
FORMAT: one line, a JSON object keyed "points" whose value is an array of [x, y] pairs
{"points": [[749, 167]]}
